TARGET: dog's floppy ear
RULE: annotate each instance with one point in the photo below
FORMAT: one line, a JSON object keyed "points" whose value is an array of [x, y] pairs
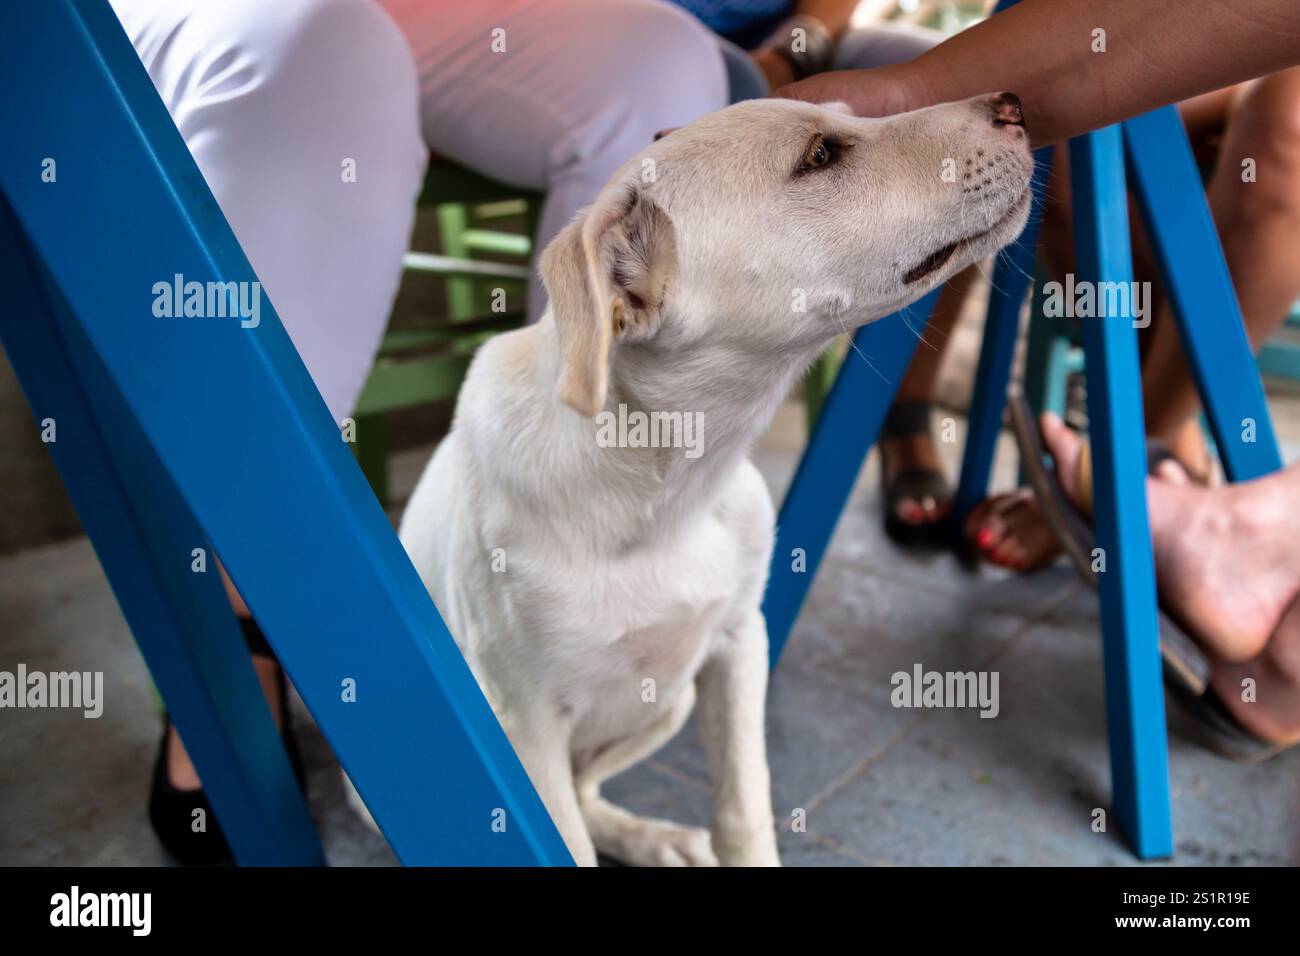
{"points": [[606, 274]]}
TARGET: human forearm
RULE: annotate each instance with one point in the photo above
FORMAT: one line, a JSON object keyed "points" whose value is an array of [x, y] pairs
{"points": [[1046, 51], [1155, 52]]}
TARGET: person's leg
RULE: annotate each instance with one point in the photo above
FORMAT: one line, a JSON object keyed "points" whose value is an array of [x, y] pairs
{"points": [[1205, 118], [278, 103], [904, 450], [1258, 219], [555, 95], [181, 772]]}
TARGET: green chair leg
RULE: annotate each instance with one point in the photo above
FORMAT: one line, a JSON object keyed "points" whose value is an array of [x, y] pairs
{"points": [[453, 222], [371, 449], [420, 365]]}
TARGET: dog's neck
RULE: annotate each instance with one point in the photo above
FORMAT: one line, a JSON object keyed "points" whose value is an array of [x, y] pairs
{"points": [[630, 493]]}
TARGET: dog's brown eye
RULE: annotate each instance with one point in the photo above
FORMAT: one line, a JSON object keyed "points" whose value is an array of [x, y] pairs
{"points": [[819, 153]]}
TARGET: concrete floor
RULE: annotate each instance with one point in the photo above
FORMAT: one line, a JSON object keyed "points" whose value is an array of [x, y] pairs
{"points": [[877, 785]]}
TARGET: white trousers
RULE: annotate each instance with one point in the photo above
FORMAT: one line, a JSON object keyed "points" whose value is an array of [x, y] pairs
{"points": [[581, 87], [274, 96]]}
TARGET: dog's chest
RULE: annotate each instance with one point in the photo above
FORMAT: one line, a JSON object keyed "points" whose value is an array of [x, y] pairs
{"points": [[650, 618], [660, 604]]}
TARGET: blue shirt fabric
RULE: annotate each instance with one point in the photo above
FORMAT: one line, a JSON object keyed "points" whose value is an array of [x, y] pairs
{"points": [[746, 22]]}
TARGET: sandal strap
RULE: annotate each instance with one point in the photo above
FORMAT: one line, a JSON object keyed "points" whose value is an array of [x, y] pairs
{"points": [[906, 419], [256, 640]]}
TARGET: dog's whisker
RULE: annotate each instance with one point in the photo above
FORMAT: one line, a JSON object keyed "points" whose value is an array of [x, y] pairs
{"points": [[917, 332], [905, 313], [863, 355], [1010, 260]]}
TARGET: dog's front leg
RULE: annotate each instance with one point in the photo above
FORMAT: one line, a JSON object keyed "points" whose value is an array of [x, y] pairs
{"points": [[547, 759], [732, 690]]}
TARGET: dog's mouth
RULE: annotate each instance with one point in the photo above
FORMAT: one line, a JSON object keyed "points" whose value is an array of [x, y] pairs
{"points": [[930, 263], [937, 259]]}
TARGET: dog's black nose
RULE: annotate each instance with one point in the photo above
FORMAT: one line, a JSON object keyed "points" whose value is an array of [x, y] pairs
{"points": [[1006, 110]]}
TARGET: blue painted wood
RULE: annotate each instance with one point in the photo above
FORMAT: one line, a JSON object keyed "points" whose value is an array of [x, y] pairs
{"points": [[1199, 286], [846, 429], [232, 416], [1012, 277], [1135, 713], [144, 535]]}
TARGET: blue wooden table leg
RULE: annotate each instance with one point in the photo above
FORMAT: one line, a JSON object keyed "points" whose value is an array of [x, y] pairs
{"points": [[1135, 714], [227, 409], [1196, 278], [850, 420], [145, 537], [1012, 277]]}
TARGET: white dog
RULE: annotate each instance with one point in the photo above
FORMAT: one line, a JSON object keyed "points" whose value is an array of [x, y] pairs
{"points": [[598, 576]]}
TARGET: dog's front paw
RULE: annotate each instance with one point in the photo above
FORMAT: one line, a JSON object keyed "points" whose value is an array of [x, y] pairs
{"points": [[680, 846], [660, 843]]}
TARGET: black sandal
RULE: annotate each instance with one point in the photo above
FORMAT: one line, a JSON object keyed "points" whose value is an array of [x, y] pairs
{"points": [[171, 809], [915, 483]]}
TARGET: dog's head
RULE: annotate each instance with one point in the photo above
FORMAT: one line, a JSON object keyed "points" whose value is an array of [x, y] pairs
{"points": [[775, 225]]}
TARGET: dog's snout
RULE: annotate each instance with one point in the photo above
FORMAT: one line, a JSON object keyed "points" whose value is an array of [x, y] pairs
{"points": [[1006, 111]]}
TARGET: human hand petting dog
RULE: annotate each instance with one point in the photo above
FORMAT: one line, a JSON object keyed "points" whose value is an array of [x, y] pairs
{"points": [[1082, 66]]}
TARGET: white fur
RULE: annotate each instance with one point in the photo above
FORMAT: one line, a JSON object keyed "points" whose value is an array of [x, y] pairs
{"points": [[675, 292]]}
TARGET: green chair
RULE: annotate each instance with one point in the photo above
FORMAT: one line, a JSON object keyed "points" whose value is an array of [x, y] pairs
{"points": [[420, 365]]}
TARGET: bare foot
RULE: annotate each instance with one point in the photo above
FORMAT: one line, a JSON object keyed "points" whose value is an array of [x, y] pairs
{"points": [[1228, 563], [1011, 532], [1227, 559]]}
